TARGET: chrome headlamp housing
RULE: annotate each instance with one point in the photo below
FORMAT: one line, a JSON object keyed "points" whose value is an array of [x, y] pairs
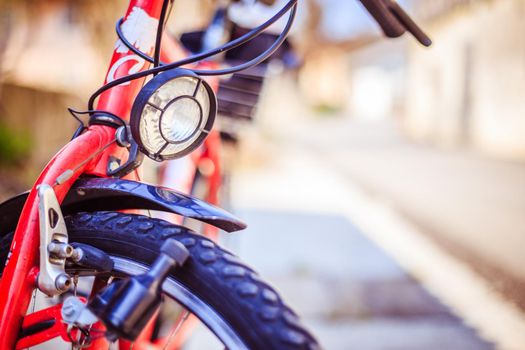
{"points": [[172, 114]]}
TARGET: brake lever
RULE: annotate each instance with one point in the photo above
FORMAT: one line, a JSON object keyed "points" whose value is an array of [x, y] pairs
{"points": [[394, 21], [409, 23]]}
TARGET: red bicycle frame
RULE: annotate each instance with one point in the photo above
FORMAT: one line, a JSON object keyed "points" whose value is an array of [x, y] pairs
{"points": [[86, 154]]}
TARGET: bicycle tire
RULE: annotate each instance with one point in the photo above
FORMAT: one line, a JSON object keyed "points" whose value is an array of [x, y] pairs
{"points": [[225, 294]]}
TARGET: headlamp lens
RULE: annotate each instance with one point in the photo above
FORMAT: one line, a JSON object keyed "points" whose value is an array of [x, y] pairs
{"points": [[181, 120]]}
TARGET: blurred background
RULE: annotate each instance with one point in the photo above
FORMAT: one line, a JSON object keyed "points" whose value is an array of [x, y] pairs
{"points": [[383, 182]]}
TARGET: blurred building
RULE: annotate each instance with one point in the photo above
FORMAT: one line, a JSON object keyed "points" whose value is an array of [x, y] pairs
{"points": [[465, 91], [52, 56], [468, 89]]}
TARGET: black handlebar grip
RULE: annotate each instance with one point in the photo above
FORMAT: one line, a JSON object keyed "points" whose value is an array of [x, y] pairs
{"points": [[381, 13], [394, 20], [409, 24]]}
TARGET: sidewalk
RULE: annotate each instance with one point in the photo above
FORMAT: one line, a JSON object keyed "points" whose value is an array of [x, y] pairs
{"points": [[348, 290], [471, 205]]}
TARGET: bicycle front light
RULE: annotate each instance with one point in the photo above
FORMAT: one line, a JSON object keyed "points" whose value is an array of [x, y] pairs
{"points": [[173, 114]]}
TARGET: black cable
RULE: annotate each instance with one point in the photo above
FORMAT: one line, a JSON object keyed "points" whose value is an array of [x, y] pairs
{"points": [[162, 20], [83, 126], [291, 5], [160, 30], [129, 45], [262, 57], [75, 112]]}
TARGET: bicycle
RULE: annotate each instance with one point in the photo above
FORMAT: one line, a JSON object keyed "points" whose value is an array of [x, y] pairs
{"points": [[75, 222]]}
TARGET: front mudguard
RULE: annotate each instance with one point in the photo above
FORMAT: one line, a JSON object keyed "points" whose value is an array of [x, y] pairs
{"points": [[110, 194]]}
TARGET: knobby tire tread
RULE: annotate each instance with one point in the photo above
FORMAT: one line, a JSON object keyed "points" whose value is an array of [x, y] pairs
{"points": [[253, 308]]}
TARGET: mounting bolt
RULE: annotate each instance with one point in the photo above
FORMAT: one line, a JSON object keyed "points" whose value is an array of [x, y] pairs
{"points": [[60, 250], [122, 136], [63, 282]]}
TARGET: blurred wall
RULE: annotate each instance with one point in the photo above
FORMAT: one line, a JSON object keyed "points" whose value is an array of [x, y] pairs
{"points": [[377, 80], [53, 54], [468, 89], [320, 77]]}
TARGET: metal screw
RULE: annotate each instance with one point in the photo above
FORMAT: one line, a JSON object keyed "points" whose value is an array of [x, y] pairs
{"points": [[68, 310], [60, 250], [63, 282], [122, 137]]}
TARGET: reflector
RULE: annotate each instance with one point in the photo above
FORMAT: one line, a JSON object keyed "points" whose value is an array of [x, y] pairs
{"points": [[172, 114]]}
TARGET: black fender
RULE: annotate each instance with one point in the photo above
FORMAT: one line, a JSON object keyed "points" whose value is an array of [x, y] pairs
{"points": [[10, 211], [110, 194]]}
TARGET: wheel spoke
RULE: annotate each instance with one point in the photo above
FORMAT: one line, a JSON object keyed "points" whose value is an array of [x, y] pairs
{"points": [[34, 301], [181, 319]]}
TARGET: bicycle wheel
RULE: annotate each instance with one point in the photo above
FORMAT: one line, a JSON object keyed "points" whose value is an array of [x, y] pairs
{"points": [[227, 296]]}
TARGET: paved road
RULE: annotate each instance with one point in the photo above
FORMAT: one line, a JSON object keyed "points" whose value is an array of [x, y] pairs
{"points": [[472, 205], [351, 293]]}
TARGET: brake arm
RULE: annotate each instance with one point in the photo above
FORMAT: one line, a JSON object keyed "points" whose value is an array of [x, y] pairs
{"points": [[54, 246]]}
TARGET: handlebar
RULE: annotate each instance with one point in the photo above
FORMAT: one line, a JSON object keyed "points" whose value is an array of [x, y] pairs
{"points": [[394, 21]]}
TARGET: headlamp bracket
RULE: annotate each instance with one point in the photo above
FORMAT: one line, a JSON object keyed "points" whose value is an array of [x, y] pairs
{"points": [[135, 157]]}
